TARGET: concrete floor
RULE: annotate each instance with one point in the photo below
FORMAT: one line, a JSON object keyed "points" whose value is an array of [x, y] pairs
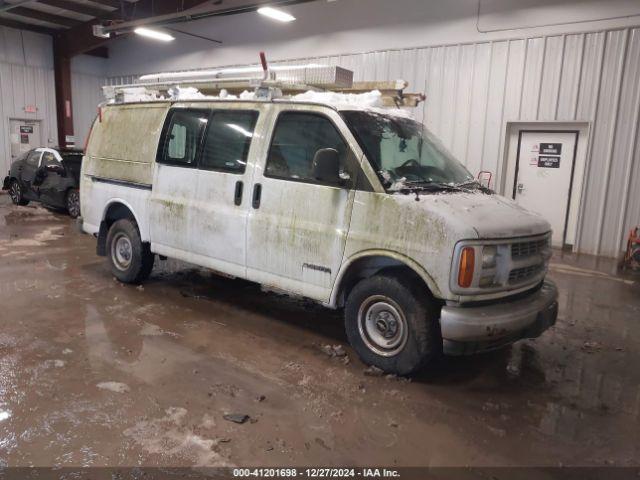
{"points": [[96, 373]]}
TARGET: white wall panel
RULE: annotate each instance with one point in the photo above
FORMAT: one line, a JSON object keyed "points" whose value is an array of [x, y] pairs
{"points": [[474, 89], [26, 78], [86, 92]]}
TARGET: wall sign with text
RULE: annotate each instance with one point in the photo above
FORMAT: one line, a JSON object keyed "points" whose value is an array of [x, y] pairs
{"points": [[551, 148], [548, 162]]}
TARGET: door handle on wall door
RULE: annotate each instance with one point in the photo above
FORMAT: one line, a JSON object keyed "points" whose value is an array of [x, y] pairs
{"points": [[237, 197], [520, 187], [257, 193]]}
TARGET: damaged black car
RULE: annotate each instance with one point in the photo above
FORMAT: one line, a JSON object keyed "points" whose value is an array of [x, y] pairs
{"points": [[46, 175]]}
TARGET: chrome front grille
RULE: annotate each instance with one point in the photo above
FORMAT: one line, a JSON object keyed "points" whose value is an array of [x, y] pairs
{"points": [[523, 274], [529, 260], [526, 249]]}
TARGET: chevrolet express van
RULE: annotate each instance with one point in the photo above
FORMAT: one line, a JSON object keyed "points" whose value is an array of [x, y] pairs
{"points": [[356, 208]]}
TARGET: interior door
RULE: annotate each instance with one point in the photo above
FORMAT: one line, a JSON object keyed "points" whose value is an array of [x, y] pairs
{"points": [[175, 180], [24, 135], [544, 172], [221, 205], [298, 225]]}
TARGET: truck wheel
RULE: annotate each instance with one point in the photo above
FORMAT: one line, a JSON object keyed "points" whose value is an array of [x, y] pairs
{"points": [[392, 324], [131, 261], [16, 194], [73, 203]]}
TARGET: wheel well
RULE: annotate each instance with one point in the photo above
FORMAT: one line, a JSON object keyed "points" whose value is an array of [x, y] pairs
{"points": [[115, 212], [375, 265]]}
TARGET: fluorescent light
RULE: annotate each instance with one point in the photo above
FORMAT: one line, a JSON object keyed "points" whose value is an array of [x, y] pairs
{"points": [[276, 14], [155, 34]]}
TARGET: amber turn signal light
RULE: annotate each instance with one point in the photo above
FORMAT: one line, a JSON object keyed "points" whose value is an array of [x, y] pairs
{"points": [[467, 263]]}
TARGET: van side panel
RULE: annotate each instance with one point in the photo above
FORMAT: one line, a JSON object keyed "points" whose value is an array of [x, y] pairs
{"points": [[118, 166], [123, 145]]}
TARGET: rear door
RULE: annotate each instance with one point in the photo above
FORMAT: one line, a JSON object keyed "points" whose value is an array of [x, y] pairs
{"points": [[175, 182], [52, 189], [222, 196], [298, 225]]}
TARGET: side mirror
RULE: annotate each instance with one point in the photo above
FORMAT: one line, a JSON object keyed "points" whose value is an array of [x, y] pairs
{"points": [[326, 166]]}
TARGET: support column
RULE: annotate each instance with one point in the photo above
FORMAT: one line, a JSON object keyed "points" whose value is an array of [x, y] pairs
{"points": [[64, 106]]}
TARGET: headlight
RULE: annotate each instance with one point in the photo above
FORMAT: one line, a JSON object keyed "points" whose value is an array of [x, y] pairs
{"points": [[489, 256]]}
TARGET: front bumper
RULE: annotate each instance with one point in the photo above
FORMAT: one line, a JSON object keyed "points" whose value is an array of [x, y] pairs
{"points": [[467, 330]]}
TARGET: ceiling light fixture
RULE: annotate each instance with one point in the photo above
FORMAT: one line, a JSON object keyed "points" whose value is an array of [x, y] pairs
{"points": [[276, 14], [155, 34]]}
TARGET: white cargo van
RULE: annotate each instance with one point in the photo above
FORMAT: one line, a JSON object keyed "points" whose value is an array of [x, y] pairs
{"points": [[356, 208]]}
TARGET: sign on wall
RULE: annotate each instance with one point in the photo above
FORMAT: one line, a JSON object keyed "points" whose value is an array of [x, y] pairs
{"points": [[26, 128], [548, 162], [551, 148]]}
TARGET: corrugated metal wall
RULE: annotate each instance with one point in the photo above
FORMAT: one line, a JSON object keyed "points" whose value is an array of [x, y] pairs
{"points": [[473, 90], [86, 92], [26, 78]]}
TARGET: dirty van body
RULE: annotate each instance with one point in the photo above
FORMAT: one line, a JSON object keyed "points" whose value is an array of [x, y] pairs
{"points": [[355, 208], [47, 175]]}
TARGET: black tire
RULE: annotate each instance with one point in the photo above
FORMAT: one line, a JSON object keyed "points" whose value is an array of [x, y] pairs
{"points": [[372, 307], [16, 193], [73, 202], [131, 261]]}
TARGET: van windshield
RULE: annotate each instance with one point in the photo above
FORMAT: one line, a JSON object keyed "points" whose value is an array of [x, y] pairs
{"points": [[405, 154]]}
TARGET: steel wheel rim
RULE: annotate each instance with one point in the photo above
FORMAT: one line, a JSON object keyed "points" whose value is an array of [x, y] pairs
{"points": [[14, 192], [121, 251], [73, 204], [382, 325]]}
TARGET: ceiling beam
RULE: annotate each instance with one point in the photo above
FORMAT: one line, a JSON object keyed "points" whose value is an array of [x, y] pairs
{"points": [[8, 22], [80, 39], [204, 10], [82, 8], [44, 17]]}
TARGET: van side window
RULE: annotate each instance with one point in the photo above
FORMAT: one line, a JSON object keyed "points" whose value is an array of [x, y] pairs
{"points": [[296, 139], [183, 137], [228, 140]]}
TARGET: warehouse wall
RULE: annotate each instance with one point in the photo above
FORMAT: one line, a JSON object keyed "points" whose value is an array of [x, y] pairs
{"points": [[88, 75], [26, 79]]}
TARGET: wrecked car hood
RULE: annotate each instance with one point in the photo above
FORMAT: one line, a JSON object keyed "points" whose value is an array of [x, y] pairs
{"points": [[491, 216]]}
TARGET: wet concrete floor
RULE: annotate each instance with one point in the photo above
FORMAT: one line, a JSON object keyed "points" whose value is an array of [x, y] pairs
{"points": [[95, 373]]}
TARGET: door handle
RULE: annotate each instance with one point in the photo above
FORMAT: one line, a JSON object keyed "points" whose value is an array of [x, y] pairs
{"points": [[237, 196], [257, 193], [520, 187]]}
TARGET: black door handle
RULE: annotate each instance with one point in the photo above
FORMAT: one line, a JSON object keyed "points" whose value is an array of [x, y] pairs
{"points": [[237, 197], [257, 193]]}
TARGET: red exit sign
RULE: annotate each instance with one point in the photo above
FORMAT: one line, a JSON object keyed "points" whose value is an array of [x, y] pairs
{"points": [[31, 109]]}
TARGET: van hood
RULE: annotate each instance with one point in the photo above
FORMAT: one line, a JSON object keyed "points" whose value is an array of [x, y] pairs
{"points": [[491, 216]]}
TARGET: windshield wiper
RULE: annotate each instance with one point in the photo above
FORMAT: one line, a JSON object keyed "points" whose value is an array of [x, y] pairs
{"points": [[429, 185]]}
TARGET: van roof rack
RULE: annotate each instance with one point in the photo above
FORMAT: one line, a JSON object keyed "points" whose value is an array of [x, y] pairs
{"points": [[268, 82]]}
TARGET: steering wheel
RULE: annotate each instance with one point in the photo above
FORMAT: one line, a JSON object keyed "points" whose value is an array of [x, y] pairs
{"points": [[411, 170]]}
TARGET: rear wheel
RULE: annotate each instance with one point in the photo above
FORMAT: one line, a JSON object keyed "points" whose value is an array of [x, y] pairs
{"points": [[73, 203], [393, 324], [130, 259], [16, 193]]}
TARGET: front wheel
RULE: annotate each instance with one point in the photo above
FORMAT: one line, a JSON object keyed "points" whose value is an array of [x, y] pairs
{"points": [[16, 193], [73, 203], [393, 324], [131, 261]]}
